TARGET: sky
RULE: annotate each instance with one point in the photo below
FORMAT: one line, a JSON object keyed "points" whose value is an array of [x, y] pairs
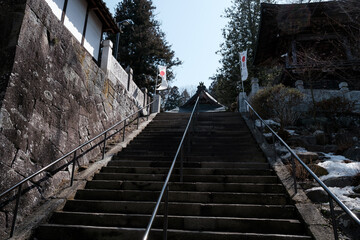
{"points": [[194, 30]]}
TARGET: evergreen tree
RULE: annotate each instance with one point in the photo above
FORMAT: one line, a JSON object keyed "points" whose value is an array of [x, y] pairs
{"points": [[240, 34], [173, 100], [185, 96], [143, 46]]}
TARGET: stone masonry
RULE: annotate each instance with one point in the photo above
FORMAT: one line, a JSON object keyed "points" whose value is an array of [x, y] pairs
{"points": [[53, 97]]}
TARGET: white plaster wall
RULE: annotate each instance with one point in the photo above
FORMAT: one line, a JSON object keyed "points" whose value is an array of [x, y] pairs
{"points": [[56, 6], [117, 74], [93, 35], [75, 17]]}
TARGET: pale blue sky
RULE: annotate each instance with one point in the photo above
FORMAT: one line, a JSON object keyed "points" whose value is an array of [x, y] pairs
{"points": [[193, 28]]}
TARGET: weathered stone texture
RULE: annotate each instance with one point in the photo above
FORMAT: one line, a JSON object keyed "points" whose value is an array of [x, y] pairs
{"points": [[56, 98], [11, 16]]}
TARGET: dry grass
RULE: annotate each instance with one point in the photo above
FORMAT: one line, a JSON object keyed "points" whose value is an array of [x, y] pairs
{"points": [[302, 174]]}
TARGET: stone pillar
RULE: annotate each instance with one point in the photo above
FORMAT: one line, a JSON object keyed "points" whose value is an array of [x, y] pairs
{"points": [[254, 86], [130, 73], [144, 90], [155, 106], [299, 85], [106, 55], [344, 87], [242, 104]]}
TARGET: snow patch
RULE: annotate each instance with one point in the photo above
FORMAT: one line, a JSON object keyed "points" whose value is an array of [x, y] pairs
{"points": [[268, 122], [338, 168], [342, 195], [292, 132]]}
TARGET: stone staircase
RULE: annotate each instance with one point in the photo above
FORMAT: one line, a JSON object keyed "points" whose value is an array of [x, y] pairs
{"points": [[229, 190]]}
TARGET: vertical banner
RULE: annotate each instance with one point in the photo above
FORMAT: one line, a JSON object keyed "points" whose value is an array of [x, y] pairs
{"points": [[243, 60], [162, 74]]}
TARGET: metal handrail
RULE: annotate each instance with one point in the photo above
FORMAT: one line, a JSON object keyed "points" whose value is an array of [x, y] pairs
{"points": [[166, 186], [19, 184], [317, 179]]}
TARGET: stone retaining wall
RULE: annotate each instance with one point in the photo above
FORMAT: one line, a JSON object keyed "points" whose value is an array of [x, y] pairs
{"points": [[55, 97], [319, 95]]}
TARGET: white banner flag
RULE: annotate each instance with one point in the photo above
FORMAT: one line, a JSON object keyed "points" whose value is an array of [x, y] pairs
{"points": [[243, 60], [162, 74]]}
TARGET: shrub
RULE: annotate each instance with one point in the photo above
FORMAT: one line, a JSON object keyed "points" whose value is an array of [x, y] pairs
{"points": [[335, 105], [278, 102]]}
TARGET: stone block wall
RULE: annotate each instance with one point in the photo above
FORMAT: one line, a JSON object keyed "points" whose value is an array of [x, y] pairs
{"points": [[11, 16], [55, 97]]}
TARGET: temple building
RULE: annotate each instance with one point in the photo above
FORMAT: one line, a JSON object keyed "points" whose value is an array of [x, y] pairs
{"points": [[317, 43], [207, 103]]}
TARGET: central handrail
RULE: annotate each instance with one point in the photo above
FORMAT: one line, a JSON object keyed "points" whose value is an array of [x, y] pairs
{"points": [[165, 186], [317, 179], [74, 151]]}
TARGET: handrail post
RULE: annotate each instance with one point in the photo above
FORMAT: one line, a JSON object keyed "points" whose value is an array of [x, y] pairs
{"points": [[138, 119], [275, 154], [188, 148], [333, 220], [15, 211], [166, 211], [123, 138], [148, 112], [103, 151], [254, 122], [73, 170], [181, 164], [294, 172]]}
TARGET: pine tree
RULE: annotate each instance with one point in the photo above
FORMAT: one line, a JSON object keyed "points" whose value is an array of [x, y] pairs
{"points": [[173, 100], [240, 34], [185, 96], [143, 46]]}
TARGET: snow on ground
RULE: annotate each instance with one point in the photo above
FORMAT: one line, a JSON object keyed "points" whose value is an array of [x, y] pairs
{"points": [[268, 122], [351, 203], [300, 150], [336, 166], [291, 132], [342, 195], [267, 134], [339, 166]]}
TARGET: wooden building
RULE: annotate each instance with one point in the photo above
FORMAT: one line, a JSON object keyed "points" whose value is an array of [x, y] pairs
{"points": [[314, 42], [86, 20]]}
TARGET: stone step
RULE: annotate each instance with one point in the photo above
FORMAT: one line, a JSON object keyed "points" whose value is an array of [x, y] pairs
{"points": [[131, 163], [72, 232], [187, 178], [184, 196], [231, 135], [238, 158], [228, 224], [231, 145], [222, 150], [251, 152], [187, 186], [220, 128], [188, 171], [229, 190], [184, 209]]}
